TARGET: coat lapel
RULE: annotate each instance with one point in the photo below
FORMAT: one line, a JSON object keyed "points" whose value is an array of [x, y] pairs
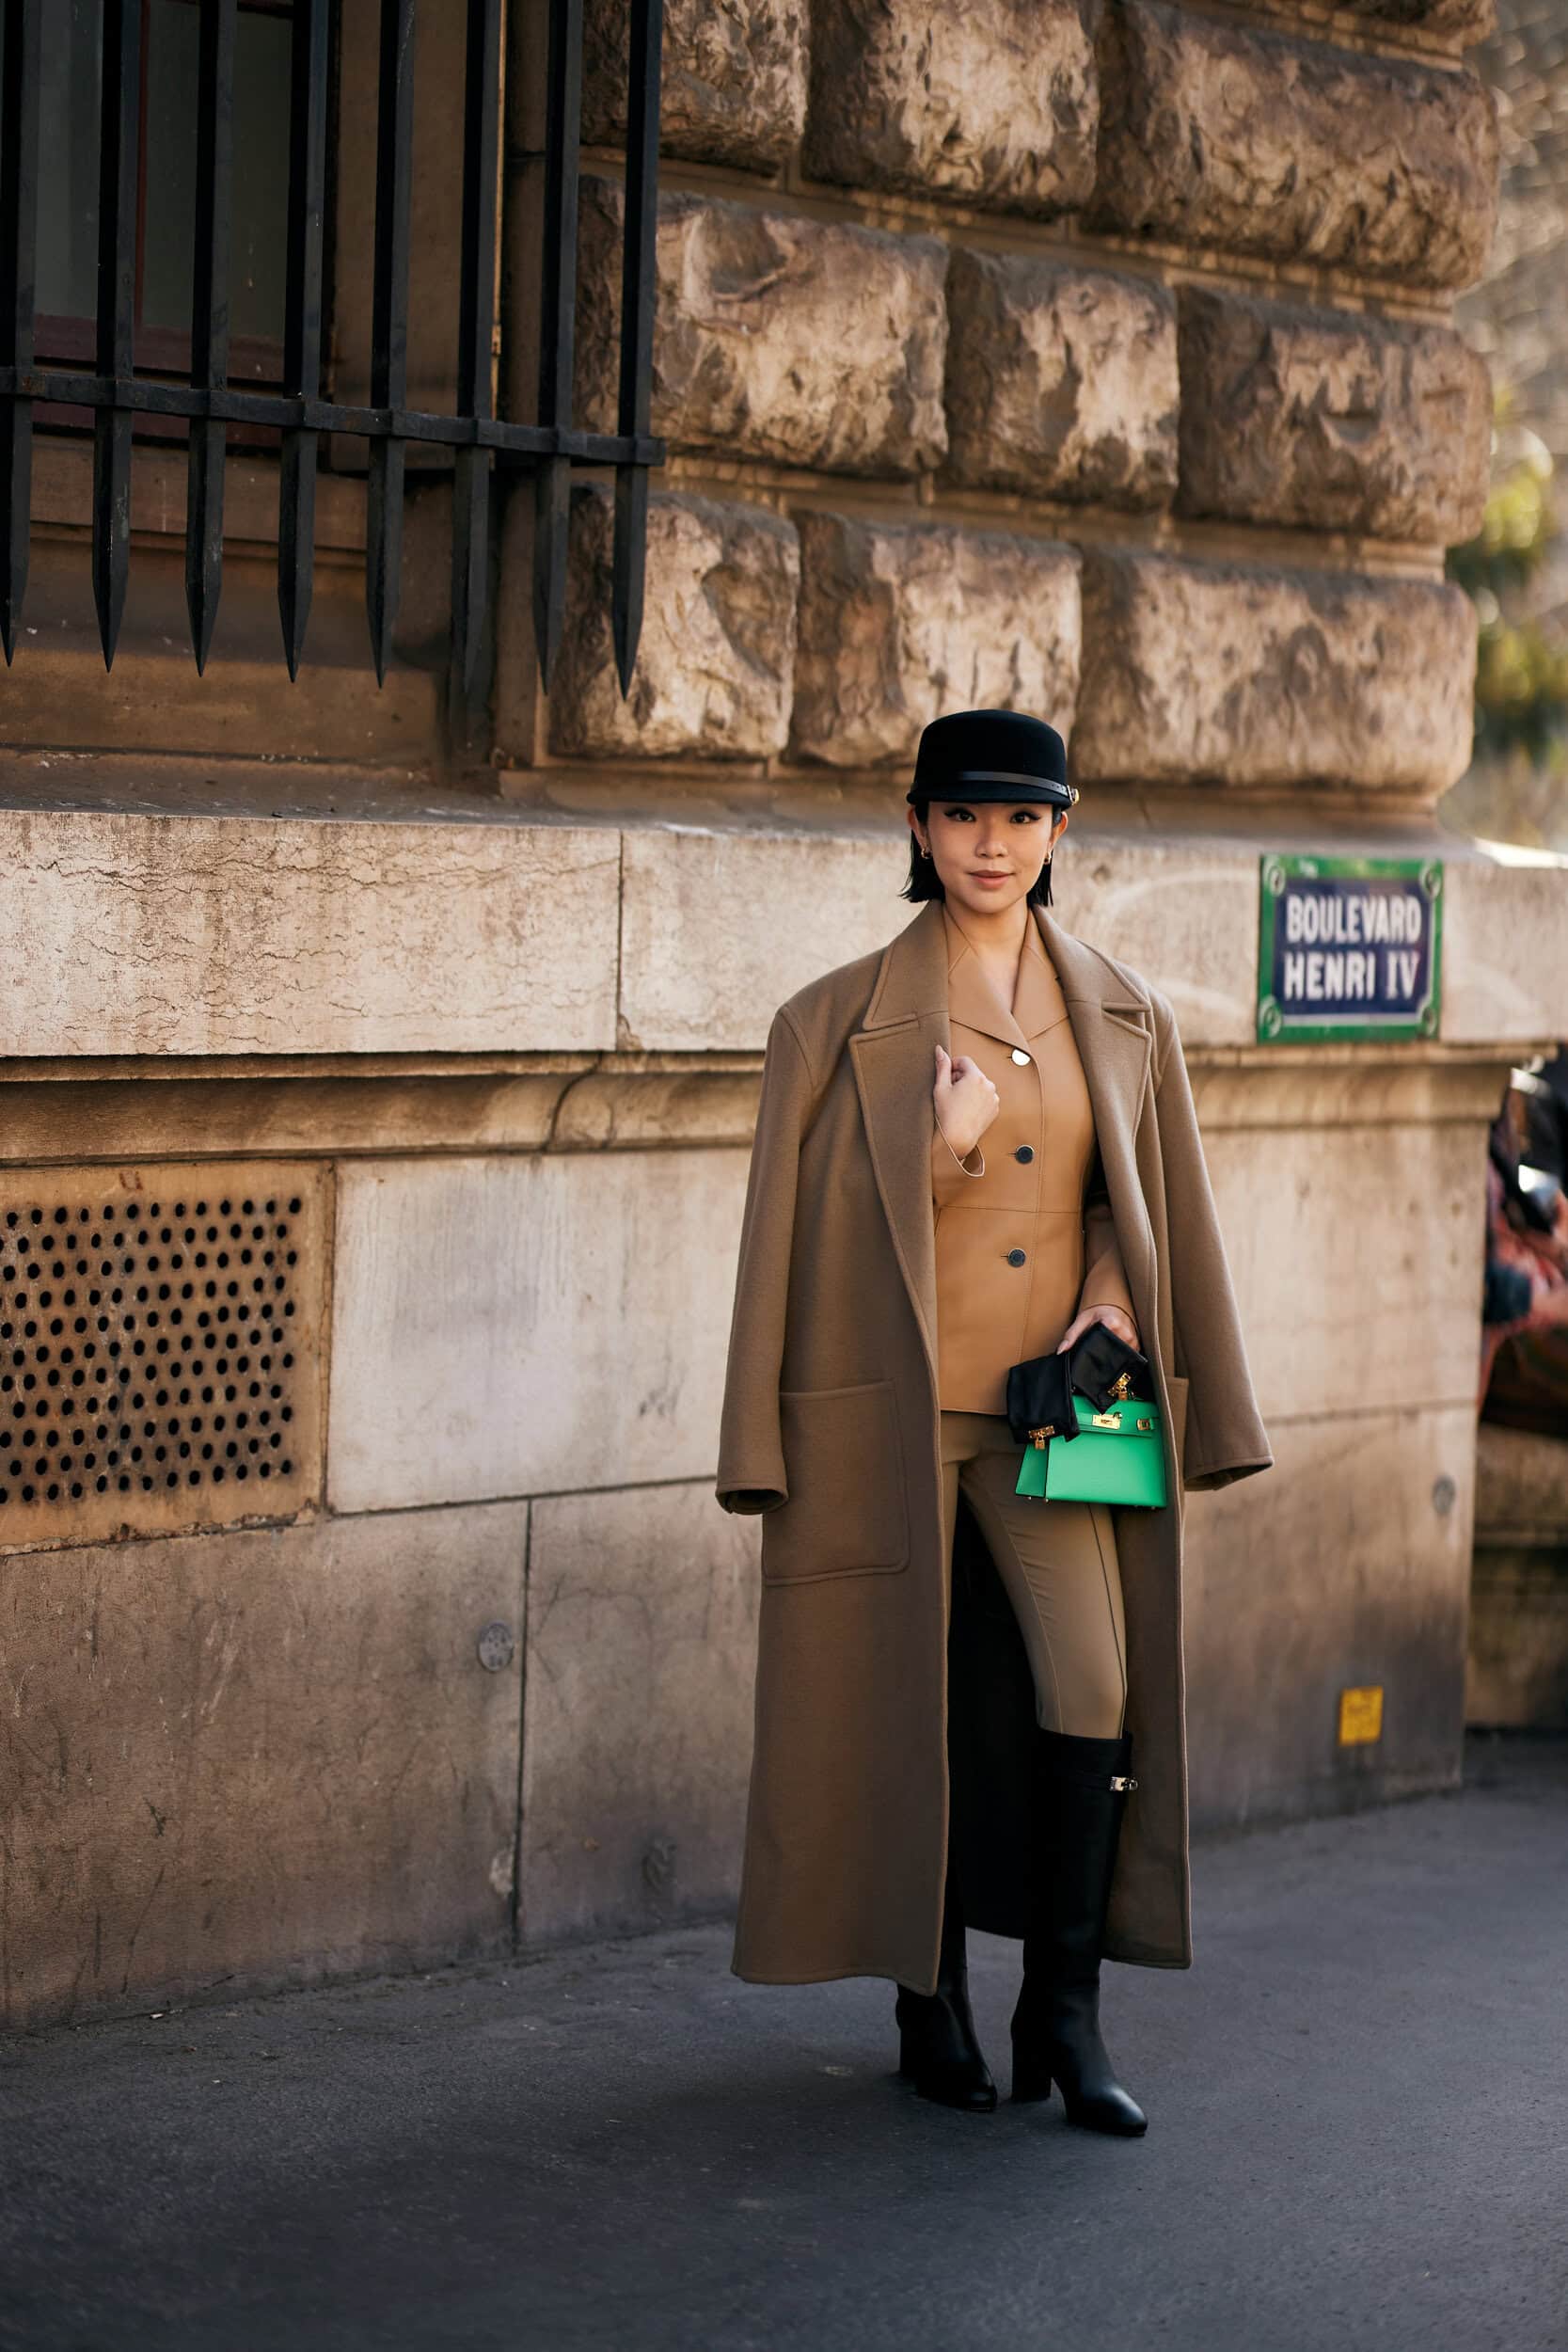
{"points": [[893, 1054], [1112, 1027]]}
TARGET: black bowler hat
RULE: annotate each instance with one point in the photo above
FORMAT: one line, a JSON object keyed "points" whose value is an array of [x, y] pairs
{"points": [[991, 755]]}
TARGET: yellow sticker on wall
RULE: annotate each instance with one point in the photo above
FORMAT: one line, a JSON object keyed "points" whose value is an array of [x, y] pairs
{"points": [[1360, 1715]]}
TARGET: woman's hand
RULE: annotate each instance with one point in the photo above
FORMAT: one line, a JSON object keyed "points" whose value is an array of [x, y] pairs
{"points": [[1115, 1320], [966, 1102]]}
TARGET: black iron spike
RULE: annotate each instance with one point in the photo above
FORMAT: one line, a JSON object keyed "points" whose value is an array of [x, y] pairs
{"points": [[639, 295], [117, 312], [296, 541], [557, 324], [470, 567], [390, 323], [214, 147], [383, 545], [471, 476], [302, 333], [20, 26]]}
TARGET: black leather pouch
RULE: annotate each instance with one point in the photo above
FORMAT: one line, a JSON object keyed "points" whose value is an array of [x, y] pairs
{"points": [[1039, 1396], [1105, 1370]]}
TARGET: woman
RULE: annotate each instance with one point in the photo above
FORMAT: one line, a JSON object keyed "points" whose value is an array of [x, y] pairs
{"points": [[890, 1269]]}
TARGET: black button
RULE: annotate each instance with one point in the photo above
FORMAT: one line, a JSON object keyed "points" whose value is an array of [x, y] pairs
{"points": [[1026, 1152], [1015, 1257]]}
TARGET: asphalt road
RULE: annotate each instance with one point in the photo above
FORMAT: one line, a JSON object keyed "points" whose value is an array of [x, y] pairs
{"points": [[1358, 2136]]}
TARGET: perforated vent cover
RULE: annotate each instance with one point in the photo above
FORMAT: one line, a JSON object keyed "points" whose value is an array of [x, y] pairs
{"points": [[160, 1347]]}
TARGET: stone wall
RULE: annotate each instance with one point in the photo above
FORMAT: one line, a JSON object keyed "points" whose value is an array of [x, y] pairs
{"points": [[1057, 272], [1092, 359]]}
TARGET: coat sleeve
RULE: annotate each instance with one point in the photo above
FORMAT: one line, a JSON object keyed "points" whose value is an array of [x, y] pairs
{"points": [[1226, 1439], [751, 1454]]}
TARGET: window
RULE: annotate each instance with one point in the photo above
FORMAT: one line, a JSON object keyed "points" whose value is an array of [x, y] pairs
{"points": [[69, 104]]}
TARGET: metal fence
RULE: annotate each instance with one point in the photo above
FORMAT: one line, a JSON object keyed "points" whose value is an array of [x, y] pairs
{"points": [[478, 440]]}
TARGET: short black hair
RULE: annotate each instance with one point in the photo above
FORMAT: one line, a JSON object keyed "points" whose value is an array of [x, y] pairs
{"points": [[924, 881]]}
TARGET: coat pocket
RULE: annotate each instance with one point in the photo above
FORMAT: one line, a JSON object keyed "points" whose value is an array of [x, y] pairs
{"points": [[847, 1513]]}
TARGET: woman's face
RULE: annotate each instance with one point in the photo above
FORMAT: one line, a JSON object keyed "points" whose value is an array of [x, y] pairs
{"points": [[989, 853]]}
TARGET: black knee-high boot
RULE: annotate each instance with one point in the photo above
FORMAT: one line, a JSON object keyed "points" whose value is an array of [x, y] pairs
{"points": [[1080, 1795], [938, 2047]]}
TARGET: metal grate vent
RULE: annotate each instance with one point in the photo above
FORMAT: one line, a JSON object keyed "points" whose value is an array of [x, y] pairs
{"points": [[160, 1345]]}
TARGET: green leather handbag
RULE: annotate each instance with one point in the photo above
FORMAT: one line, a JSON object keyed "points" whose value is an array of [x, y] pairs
{"points": [[1117, 1456]]}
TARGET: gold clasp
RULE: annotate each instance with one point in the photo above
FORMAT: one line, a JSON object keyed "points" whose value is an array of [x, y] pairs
{"points": [[1122, 1384], [1106, 1421], [1038, 1437]]}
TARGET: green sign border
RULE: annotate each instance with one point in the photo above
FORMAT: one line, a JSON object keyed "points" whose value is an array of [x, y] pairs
{"points": [[1273, 873]]}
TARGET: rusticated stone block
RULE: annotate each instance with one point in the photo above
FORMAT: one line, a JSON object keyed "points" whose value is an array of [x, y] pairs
{"points": [[1227, 673], [994, 101], [1061, 381], [734, 79], [716, 656], [900, 623], [1331, 420], [797, 341], [1219, 134]]}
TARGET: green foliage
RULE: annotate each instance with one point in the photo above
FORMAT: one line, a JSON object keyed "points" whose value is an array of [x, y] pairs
{"points": [[1521, 688], [1521, 674]]}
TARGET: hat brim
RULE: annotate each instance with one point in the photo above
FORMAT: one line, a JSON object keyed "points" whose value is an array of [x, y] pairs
{"points": [[994, 783]]}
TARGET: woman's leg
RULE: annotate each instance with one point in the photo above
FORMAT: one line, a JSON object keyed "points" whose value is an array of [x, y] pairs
{"points": [[1059, 1563]]}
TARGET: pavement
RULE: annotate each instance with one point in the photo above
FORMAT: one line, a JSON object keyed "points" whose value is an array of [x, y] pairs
{"points": [[1358, 2136]]}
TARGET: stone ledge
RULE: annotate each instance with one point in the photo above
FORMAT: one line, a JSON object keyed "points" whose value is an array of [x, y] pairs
{"points": [[463, 974], [152, 934], [698, 1101], [1219, 134]]}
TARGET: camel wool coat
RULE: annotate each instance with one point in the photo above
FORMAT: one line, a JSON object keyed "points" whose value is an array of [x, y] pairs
{"points": [[831, 1428]]}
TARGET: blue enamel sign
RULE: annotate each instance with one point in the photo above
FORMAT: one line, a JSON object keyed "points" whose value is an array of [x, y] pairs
{"points": [[1349, 948]]}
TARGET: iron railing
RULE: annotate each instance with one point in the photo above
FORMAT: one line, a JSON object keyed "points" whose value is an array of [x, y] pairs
{"points": [[478, 440]]}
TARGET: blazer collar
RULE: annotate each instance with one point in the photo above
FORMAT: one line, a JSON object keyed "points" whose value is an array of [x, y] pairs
{"points": [[912, 979], [973, 999], [891, 1055]]}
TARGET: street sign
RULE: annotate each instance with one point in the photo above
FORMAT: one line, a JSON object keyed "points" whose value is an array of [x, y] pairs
{"points": [[1349, 947]]}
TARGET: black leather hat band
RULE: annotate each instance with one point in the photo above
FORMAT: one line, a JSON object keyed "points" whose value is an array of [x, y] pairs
{"points": [[1003, 775], [1040, 787]]}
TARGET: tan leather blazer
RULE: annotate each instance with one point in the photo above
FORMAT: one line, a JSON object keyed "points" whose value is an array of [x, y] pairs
{"points": [[1024, 1229]]}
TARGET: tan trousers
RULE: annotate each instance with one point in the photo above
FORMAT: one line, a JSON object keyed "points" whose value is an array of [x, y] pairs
{"points": [[1059, 1563]]}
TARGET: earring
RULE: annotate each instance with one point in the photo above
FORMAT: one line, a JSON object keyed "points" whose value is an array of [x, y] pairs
{"points": [[924, 850]]}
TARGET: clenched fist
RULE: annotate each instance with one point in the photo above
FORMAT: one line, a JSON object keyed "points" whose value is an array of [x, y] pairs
{"points": [[966, 1101]]}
